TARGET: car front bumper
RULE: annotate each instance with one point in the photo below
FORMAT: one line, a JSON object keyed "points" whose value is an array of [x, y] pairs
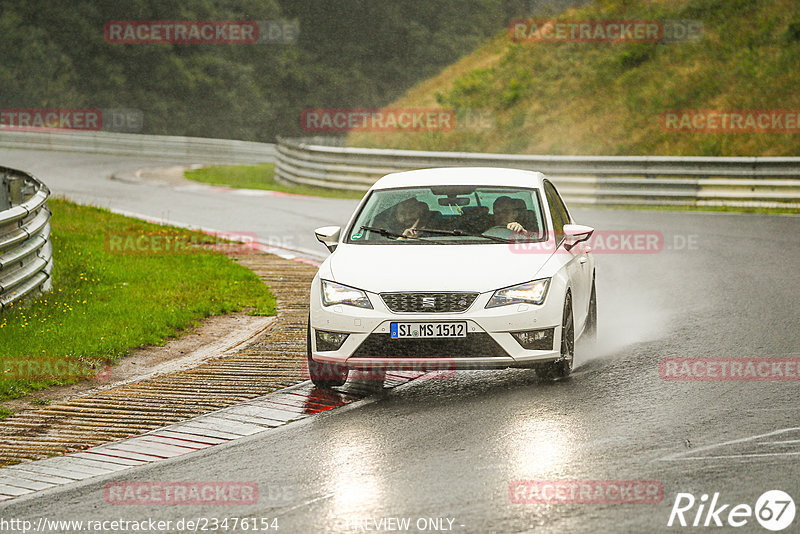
{"points": [[489, 343]]}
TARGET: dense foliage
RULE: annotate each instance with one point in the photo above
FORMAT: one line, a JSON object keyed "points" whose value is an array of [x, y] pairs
{"points": [[350, 53]]}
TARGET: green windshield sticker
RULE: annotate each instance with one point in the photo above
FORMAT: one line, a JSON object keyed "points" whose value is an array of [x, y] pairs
{"points": [[359, 235]]}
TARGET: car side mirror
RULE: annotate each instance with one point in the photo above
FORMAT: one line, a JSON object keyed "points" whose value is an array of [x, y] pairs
{"points": [[576, 233], [329, 236]]}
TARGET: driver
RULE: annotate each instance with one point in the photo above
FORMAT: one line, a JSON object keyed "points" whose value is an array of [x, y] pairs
{"points": [[410, 214], [508, 212]]}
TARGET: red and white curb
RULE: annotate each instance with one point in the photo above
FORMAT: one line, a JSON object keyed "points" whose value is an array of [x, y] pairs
{"points": [[222, 426]]}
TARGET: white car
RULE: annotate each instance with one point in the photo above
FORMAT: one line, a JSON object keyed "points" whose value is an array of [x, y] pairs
{"points": [[452, 268]]}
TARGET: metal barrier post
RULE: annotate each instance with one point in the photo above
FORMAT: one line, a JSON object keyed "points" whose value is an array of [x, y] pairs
{"points": [[5, 200], [15, 190]]}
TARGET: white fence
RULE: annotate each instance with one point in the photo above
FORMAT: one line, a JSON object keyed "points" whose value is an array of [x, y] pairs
{"points": [[183, 149], [26, 252], [586, 180]]}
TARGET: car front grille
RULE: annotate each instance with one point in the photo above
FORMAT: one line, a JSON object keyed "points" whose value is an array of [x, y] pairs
{"points": [[475, 345], [428, 302]]}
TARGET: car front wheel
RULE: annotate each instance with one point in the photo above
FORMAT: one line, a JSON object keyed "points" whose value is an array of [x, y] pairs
{"points": [[562, 367]]}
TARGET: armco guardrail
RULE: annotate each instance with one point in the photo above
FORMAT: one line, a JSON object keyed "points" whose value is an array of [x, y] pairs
{"points": [[182, 149], [587, 180], [26, 252]]}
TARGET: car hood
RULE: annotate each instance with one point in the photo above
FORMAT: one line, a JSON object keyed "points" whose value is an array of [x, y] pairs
{"points": [[379, 268]]}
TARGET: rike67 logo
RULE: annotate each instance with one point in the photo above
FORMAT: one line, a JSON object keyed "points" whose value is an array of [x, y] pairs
{"points": [[774, 510]]}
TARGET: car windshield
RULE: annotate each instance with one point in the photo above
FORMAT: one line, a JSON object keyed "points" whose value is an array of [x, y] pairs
{"points": [[449, 215]]}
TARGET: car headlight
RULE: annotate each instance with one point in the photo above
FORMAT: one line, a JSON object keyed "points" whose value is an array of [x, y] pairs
{"points": [[333, 293], [530, 292]]}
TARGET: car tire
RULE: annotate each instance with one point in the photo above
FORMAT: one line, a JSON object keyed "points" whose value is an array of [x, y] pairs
{"points": [[562, 367], [590, 332], [324, 375]]}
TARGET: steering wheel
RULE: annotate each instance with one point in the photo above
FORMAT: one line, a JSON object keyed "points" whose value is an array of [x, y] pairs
{"points": [[498, 230]]}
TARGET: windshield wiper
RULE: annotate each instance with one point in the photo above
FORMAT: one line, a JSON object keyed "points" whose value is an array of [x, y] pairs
{"points": [[382, 231], [387, 233], [463, 233]]}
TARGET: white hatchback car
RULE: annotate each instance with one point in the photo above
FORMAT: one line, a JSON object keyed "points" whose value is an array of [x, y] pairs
{"points": [[452, 268]]}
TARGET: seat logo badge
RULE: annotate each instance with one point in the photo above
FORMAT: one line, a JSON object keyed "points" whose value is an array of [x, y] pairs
{"points": [[428, 302]]}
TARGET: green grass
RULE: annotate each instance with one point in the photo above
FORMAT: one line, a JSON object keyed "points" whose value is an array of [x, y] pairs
{"points": [[259, 177], [105, 303], [607, 98]]}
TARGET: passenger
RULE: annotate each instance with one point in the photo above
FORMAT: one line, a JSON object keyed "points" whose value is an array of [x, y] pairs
{"points": [[508, 212]]}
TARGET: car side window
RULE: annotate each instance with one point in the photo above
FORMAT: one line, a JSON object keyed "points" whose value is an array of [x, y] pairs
{"points": [[562, 208], [559, 216]]}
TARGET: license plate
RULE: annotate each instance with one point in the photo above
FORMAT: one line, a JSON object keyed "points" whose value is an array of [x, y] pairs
{"points": [[428, 330]]}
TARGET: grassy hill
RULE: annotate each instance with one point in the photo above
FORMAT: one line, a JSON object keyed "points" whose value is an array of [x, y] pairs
{"points": [[608, 98]]}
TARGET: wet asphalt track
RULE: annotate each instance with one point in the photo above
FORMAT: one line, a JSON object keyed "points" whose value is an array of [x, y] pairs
{"points": [[449, 448]]}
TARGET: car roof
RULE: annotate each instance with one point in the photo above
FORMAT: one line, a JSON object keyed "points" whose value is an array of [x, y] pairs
{"points": [[461, 176]]}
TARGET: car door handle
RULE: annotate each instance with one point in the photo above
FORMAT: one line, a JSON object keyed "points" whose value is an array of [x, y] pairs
{"points": [[583, 259]]}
